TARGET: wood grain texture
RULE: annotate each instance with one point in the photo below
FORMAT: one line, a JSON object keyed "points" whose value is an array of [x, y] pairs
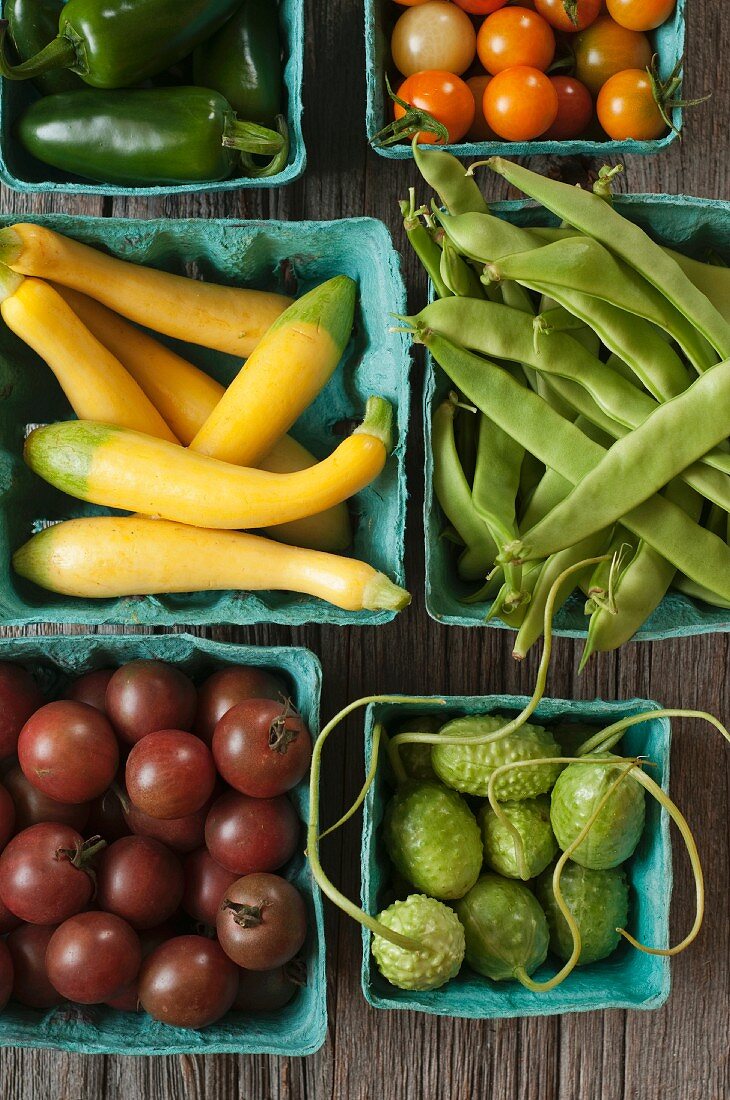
{"points": [[677, 1053]]}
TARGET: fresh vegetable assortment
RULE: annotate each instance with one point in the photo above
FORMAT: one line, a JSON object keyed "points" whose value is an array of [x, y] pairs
{"points": [[113, 107], [551, 70], [157, 437], [173, 904], [542, 862], [574, 353]]}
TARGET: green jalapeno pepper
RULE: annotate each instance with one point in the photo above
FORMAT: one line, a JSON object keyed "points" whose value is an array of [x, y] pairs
{"points": [[32, 25], [117, 44], [142, 137], [242, 61]]}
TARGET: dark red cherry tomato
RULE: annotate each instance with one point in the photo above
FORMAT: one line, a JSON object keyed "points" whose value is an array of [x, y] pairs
{"points": [[182, 834], [90, 688], [205, 884], [91, 956], [139, 879], [127, 998], [33, 806], [6, 974], [188, 981], [228, 686], [7, 816], [43, 873], [262, 748], [106, 816], [31, 984], [145, 696], [251, 834], [262, 922], [19, 697], [575, 109], [8, 920], [170, 774], [68, 750], [264, 990]]}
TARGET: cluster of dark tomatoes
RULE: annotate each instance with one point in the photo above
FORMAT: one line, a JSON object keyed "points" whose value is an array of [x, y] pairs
{"points": [[140, 822]]}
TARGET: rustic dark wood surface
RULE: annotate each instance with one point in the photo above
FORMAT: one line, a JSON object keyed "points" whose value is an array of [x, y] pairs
{"points": [[677, 1053]]}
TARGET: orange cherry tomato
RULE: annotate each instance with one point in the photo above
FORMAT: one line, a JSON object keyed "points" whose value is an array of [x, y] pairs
{"points": [[444, 96], [520, 103], [575, 109], [627, 107], [515, 36], [557, 13], [481, 7], [436, 35], [480, 130], [640, 15], [606, 48]]}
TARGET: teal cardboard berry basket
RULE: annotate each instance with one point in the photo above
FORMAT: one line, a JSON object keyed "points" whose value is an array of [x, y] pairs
{"points": [[690, 225], [626, 979], [271, 255], [380, 17], [22, 172], [301, 1026]]}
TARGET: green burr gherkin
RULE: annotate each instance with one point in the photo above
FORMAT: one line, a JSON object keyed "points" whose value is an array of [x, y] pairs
{"points": [[617, 829], [504, 926], [436, 928], [468, 768], [415, 758], [599, 902], [433, 839], [531, 819]]}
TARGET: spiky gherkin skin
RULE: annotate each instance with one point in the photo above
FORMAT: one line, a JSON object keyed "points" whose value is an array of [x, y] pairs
{"points": [[504, 926], [531, 818], [433, 839], [439, 931], [468, 768], [617, 829], [599, 902], [416, 758]]}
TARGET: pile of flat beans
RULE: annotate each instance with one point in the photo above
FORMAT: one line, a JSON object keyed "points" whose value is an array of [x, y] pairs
{"points": [[591, 406]]}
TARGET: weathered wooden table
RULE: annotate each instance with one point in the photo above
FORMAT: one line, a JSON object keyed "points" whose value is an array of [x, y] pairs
{"points": [[677, 1053]]}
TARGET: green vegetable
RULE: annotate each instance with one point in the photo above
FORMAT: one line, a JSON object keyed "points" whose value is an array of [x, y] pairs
{"points": [[142, 137], [440, 938], [505, 929], [117, 43], [433, 839], [415, 758], [468, 768], [599, 902], [32, 25], [531, 819], [242, 61], [618, 826]]}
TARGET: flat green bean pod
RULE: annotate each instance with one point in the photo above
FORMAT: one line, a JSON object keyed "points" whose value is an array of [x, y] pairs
{"points": [[423, 244], [495, 488], [639, 464], [699, 592], [445, 174], [454, 495], [457, 274], [564, 447], [597, 218], [580, 263]]}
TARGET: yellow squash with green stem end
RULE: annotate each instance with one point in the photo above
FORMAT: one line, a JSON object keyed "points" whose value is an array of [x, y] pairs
{"points": [[137, 473], [290, 366], [186, 396], [226, 318], [94, 381], [108, 556]]}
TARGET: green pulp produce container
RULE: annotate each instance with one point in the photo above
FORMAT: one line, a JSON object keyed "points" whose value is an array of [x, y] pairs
{"points": [[291, 256], [22, 172], [301, 1026], [380, 18], [693, 226], [628, 978]]}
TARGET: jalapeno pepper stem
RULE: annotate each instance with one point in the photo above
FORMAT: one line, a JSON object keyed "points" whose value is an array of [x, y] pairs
{"points": [[680, 821], [570, 965], [249, 137], [312, 852], [278, 161], [60, 53]]}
